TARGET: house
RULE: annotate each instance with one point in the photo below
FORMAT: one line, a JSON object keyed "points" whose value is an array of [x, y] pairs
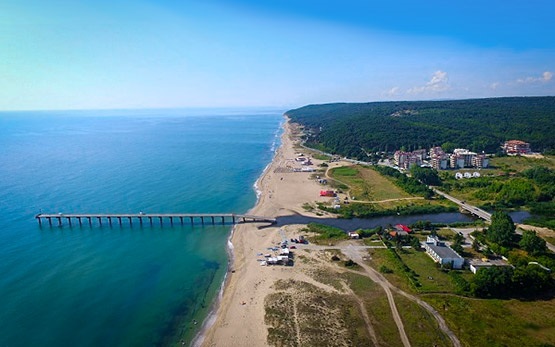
{"points": [[442, 253], [354, 235]]}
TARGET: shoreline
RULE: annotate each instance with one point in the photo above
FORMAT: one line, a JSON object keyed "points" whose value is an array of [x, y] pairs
{"points": [[212, 316], [247, 284]]}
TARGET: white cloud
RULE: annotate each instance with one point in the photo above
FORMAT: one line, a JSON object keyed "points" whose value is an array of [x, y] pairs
{"points": [[545, 77], [494, 85], [438, 83], [392, 92]]}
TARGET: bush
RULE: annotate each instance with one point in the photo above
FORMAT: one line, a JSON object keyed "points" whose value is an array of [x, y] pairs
{"points": [[384, 269]]}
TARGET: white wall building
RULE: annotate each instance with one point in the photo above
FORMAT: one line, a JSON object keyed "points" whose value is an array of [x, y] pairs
{"points": [[442, 253]]}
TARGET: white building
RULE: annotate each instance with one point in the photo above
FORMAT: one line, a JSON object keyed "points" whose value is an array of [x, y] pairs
{"points": [[442, 253]]}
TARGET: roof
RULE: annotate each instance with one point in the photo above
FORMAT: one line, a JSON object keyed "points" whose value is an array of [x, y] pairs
{"points": [[403, 227], [443, 251], [516, 142]]}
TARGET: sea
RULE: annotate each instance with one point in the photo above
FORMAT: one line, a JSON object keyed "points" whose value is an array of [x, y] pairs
{"points": [[121, 285]]}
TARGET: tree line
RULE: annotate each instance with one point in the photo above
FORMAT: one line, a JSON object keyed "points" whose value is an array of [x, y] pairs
{"points": [[355, 129]]}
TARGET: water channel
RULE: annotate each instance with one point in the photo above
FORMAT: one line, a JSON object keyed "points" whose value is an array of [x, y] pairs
{"points": [[359, 223]]}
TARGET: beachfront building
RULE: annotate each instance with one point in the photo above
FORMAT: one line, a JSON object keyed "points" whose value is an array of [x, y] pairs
{"points": [[515, 147], [442, 253]]}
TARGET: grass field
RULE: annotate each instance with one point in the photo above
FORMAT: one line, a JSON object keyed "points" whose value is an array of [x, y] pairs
{"points": [[431, 278], [490, 323], [421, 327], [519, 164], [377, 306], [367, 184]]}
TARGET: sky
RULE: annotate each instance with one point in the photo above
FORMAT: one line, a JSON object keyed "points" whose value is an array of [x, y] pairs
{"points": [[110, 54]]}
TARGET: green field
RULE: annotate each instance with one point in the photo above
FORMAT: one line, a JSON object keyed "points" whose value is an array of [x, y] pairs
{"points": [[421, 327], [377, 307], [367, 184], [489, 323], [519, 164], [431, 278]]}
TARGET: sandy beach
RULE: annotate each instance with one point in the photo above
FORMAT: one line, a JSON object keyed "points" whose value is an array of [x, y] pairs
{"points": [[239, 317]]}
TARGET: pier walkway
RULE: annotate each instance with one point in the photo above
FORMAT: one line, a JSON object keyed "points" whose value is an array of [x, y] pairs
{"points": [[140, 218]]}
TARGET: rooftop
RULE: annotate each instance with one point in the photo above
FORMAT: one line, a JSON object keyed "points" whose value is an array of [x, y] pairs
{"points": [[441, 249]]}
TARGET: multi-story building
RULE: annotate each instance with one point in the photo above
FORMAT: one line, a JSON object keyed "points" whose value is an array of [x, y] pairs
{"points": [[405, 160], [480, 161], [514, 147], [465, 155], [439, 160]]}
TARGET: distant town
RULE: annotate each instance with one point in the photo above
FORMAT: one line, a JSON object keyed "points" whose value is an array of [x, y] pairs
{"points": [[461, 158]]}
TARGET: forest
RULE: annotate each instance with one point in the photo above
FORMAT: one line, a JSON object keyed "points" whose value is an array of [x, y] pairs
{"points": [[357, 129]]}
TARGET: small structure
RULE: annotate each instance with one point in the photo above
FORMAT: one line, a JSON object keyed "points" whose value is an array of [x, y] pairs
{"points": [[477, 264], [354, 235], [442, 253]]}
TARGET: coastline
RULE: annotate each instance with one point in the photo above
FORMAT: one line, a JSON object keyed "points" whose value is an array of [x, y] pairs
{"points": [[247, 283], [212, 316]]}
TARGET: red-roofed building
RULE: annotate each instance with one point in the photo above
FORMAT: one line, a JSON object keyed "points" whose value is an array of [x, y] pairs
{"points": [[401, 227], [517, 147]]}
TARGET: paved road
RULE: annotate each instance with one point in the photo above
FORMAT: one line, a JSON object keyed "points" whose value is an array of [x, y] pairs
{"points": [[472, 209]]}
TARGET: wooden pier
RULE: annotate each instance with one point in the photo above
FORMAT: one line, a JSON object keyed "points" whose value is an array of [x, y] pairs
{"points": [[71, 219]]}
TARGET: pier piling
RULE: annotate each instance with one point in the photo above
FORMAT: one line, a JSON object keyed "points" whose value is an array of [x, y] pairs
{"points": [[194, 218]]}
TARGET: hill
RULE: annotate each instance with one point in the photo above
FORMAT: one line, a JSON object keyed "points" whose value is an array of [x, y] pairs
{"points": [[351, 129]]}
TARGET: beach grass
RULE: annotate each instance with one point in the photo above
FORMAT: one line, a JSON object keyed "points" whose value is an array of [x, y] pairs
{"points": [[301, 314]]}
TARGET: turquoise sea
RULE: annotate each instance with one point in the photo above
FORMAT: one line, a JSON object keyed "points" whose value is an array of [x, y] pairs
{"points": [[120, 285]]}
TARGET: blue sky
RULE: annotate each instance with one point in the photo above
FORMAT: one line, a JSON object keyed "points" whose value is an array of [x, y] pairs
{"points": [[144, 54]]}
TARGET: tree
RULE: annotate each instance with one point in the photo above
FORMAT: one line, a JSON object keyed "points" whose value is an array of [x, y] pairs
{"points": [[532, 243], [425, 175], [502, 229], [494, 281], [476, 245], [415, 242], [457, 243]]}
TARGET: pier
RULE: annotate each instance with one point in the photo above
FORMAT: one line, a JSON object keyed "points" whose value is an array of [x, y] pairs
{"points": [[71, 219]]}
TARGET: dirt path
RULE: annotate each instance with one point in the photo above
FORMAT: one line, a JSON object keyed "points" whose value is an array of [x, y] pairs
{"points": [[352, 253], [367, 320], [355, 255]]}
